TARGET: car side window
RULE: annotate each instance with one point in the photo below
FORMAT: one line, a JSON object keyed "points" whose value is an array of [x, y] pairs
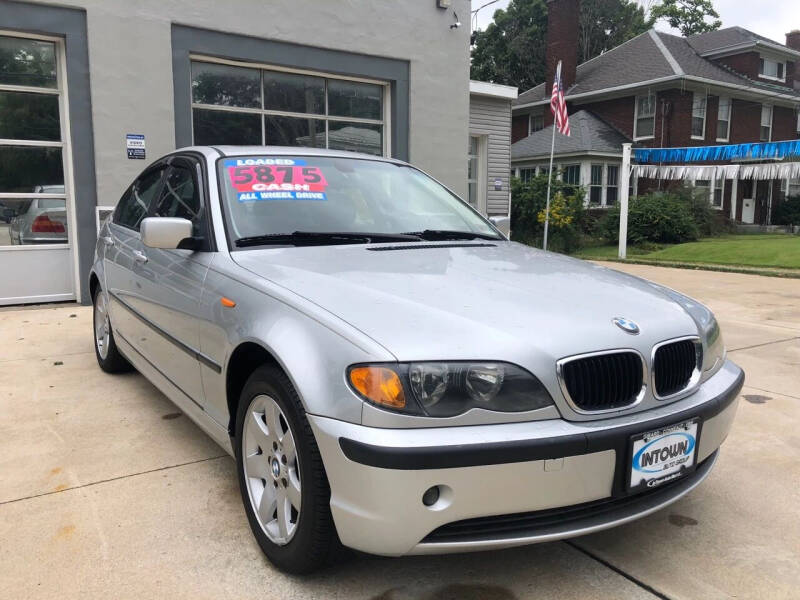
{"points": [[180, 198], [133, 206]]}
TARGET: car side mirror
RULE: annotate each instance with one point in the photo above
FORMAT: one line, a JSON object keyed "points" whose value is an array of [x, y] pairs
{"points": [[166, 233], [503, 224]]}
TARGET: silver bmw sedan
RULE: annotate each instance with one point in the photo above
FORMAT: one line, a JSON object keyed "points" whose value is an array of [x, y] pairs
{"points": [[391, 373]]}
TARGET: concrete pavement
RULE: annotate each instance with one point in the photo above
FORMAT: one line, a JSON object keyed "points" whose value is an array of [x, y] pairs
{"points": [[106, 490]]}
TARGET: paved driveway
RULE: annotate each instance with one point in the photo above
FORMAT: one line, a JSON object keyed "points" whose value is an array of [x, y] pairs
{"points": [[106, 490]]}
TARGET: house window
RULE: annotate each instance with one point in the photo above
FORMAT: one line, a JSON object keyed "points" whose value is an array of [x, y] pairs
{"points": [[527, 174], [724, 119], [766, 122], [572, 174], [596, 186], [794, 188], [234, 104], [712, 191], [698, 116], [535, 123], [772, 69], [645, 117], [612, 179]]}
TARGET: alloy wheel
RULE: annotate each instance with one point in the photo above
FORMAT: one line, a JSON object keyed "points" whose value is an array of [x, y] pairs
{"points": [[102, 326], [271, 469]]}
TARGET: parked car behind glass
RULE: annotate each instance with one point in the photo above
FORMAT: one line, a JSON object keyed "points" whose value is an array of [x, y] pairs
{"points": [[390, 372], [41, 220]]}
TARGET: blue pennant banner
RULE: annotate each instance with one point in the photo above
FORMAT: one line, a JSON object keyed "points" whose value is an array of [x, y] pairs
{"points": [[711, 153]]}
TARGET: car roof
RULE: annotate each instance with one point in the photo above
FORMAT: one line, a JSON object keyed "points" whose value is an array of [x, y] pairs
{"points": [[283, 151]]}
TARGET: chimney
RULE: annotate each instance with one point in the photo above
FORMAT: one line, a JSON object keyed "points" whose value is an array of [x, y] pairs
{"points": [[562, 41], [793, 39]]}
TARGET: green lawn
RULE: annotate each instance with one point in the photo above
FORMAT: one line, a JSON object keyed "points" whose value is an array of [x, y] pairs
{"points": [[768, 250]]}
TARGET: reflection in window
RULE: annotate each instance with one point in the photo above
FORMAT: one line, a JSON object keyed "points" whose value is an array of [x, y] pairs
{"points": [[291, 131], [291, 92], [26, 62], [29, 116], [225, 127], [225, 86], [25, 168], [133, 206], [352, 99], [355, 137]]}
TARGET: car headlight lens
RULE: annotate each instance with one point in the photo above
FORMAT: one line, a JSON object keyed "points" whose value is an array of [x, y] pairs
{"points": [[447, 389], [713, 347]]}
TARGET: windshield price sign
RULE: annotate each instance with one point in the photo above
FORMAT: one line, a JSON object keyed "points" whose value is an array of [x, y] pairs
{"points": [[275, 179]]}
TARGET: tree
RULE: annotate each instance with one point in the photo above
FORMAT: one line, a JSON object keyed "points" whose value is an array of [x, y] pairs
{"points": [[688, 16], [512, 49]]}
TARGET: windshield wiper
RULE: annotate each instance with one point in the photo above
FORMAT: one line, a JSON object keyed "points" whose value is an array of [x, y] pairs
{"points": [[323, 238], [447, 234]]}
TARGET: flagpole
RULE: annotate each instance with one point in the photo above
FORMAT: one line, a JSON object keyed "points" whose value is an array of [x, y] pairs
{"points": [[550, 172], [549, 180]]}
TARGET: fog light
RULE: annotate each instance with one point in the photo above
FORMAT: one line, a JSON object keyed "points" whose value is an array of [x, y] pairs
{"points": [[431, 496]]}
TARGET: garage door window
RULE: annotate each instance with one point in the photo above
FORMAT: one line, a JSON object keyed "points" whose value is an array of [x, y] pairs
{"points": [[234, 104], [33, 205]]}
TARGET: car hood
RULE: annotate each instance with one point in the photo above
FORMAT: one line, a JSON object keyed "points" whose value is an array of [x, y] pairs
{"points": [[493, 301]]}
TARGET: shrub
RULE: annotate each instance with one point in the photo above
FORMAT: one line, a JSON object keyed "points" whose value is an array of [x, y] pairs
{"points": [[661, 218], [567, 215], [788, 212]]}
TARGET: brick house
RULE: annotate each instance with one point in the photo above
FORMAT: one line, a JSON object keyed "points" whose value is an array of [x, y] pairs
{"points": [[728, 86]]}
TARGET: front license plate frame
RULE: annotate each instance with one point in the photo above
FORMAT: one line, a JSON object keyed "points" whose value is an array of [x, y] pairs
{"points": [[662, 455]]}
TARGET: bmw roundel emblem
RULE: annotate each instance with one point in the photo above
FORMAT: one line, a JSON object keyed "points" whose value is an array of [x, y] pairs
{"points": [[626, 325]]}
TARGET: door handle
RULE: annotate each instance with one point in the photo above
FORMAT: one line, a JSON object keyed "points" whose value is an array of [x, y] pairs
{"points": [[139, 257], [107, 240]]}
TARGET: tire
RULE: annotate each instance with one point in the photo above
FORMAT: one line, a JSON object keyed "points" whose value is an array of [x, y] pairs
{"points": [[307, 540], [105, 348]]}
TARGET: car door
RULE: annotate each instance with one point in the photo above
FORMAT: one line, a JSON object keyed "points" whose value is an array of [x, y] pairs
{"points": [[172, 281], [124, 255]]}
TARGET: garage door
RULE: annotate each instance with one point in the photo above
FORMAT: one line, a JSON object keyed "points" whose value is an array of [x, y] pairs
{"points": [[246, 104], [36, 245]]}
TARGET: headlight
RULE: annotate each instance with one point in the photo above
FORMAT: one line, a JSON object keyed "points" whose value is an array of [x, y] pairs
{"points": [[447, 389], [713, 347]]}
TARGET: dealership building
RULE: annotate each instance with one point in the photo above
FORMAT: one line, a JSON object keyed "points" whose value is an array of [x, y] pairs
{"points": [[91, 91]]}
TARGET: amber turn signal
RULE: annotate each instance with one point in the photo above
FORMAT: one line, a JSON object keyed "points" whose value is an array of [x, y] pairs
{"points": [[227, 302], [380, 385]]}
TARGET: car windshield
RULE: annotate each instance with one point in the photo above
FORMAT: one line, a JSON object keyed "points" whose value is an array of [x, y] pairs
{"points": [[282, 199]]}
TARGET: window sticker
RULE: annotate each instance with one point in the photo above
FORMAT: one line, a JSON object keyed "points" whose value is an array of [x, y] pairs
{"points": [[256, 179]]}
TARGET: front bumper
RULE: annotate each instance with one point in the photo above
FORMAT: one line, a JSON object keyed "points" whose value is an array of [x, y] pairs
{"points": [[526, 472]]}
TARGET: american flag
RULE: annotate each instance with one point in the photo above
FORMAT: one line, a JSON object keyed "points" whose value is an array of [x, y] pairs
{"points": [[557, 104]]}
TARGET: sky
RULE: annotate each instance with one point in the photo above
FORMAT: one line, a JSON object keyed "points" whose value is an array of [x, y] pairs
{"points": [[770, 18]]}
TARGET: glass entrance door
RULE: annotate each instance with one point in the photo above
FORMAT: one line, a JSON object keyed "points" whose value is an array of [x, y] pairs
{"points": [[36, 246]]}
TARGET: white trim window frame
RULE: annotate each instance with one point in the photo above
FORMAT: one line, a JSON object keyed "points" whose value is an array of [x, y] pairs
{"points": [[767, 65], [713, 188], [597, 180], [571, 174], [384, 122], [644, 110], [60, 91], [699, 113], [724, 107], [767, 114], [539, 119]]}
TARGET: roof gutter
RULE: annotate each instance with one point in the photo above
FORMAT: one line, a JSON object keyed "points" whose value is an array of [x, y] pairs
{"points": [[631, 86], [736, 48]]}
